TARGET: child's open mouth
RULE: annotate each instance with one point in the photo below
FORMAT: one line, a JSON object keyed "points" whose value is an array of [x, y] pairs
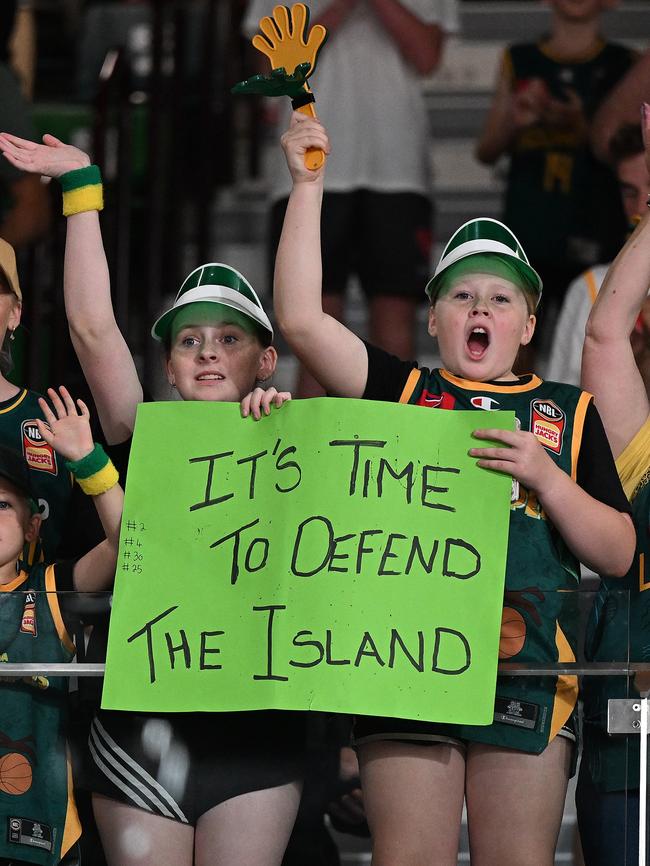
{"points": [[477, 342]]}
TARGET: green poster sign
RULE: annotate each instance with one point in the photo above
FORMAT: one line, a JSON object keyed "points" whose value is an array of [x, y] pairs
{"points": [[338, 555]]}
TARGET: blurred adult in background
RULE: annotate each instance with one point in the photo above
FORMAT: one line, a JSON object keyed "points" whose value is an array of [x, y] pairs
{"points": [[377, 212], [621, 105], [24, 201], [627, 158], [562, 203]]}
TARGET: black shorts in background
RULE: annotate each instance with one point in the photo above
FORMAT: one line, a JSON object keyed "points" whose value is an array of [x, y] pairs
{"points": [[385, 239]]}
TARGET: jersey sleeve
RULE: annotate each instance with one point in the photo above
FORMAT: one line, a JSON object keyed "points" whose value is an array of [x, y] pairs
{"points": [[597, 473], [633, 463], [387, 375]]}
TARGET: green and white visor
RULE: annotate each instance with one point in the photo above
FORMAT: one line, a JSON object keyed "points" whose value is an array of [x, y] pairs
{"points": [[483, 236], [215, 283]]}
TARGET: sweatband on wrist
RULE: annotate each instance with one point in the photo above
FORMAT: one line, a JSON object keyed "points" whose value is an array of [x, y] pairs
{"points": [[88, 465], [95, 472], [82, 190], [101, 481]]}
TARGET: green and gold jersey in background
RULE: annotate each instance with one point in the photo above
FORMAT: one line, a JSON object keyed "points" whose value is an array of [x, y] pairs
{"points": [[38, 816], [620, 631], [564, 205]]}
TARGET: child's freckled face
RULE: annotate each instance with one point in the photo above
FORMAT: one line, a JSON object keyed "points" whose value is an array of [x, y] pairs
{"points": [[480, 323], [215, 362]]}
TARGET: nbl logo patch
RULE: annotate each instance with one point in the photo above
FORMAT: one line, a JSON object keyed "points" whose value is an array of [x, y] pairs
{"points": [[436, 401], [38, 454], [28, 624], [547, 423]]}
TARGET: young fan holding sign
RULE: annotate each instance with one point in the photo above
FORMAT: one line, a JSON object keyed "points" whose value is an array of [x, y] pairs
{"points": [[230, 783], [568, 507]]}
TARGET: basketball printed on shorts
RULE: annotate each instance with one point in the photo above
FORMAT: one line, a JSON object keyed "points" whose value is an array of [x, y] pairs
{"points": [[15, 774], [513, 633]]}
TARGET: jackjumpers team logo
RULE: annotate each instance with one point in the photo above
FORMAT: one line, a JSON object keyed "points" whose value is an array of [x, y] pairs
{"points": [[28, 624], [38, 454], [547, 422]]}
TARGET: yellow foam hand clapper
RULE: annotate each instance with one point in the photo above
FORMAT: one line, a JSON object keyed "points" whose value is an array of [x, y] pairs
{"points": [[289, 44], [285, 40]]}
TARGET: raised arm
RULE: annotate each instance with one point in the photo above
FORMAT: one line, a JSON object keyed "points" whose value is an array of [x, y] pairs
{"points": [[102, 351], [508, 113], [621, 106], [335, 356], [609, 369], [68, 432], [419, 42]]}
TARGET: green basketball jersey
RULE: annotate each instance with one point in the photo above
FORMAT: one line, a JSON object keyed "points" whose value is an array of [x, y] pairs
{"points": [[619, 630], [539, 621], [38, 817], [51, 482], [564, 205]]}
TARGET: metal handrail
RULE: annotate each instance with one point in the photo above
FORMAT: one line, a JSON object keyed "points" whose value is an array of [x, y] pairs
{"points": [[513, 669]]}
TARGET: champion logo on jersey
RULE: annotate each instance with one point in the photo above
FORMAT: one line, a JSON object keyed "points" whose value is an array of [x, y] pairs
{"points": [[487, 403], [436, 401], [547, 423], [28, 624], [38, 454]]}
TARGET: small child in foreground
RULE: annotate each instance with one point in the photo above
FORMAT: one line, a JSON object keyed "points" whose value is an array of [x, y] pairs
{"points": [[570, 508], [37, 809]]}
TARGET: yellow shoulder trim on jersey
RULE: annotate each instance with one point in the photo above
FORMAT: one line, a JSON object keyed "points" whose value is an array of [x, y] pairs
{"points": [[468, 385], [566, 690], [643, 583], [9, 587], [72, 827], [592, 285], [55, 609], [19, 399], [633, 463], [578, 428], [409, 388], [584, 57]]}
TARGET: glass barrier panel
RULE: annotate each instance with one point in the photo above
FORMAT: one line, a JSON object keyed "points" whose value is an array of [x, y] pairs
{"points": [[571, 671]]}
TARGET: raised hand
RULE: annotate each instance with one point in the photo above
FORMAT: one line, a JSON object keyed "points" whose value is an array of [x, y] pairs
{"points": [[52, 158], [68, 431], [523, 457], [260, 401], [285, 41], [304, 134]]}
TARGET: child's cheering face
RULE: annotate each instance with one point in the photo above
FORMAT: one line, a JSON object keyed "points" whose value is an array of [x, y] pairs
{"points": [[480, 322]]}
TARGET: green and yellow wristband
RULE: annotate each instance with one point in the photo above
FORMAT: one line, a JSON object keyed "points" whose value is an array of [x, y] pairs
{"points": [[95, 473], [82, 190]]}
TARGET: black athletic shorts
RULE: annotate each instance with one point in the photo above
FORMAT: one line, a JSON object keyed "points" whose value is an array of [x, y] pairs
{"points": [[385, 239], [180, 765]]}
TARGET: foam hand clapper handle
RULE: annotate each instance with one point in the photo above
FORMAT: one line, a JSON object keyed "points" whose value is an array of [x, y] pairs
{"points": [[285, 40]]}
